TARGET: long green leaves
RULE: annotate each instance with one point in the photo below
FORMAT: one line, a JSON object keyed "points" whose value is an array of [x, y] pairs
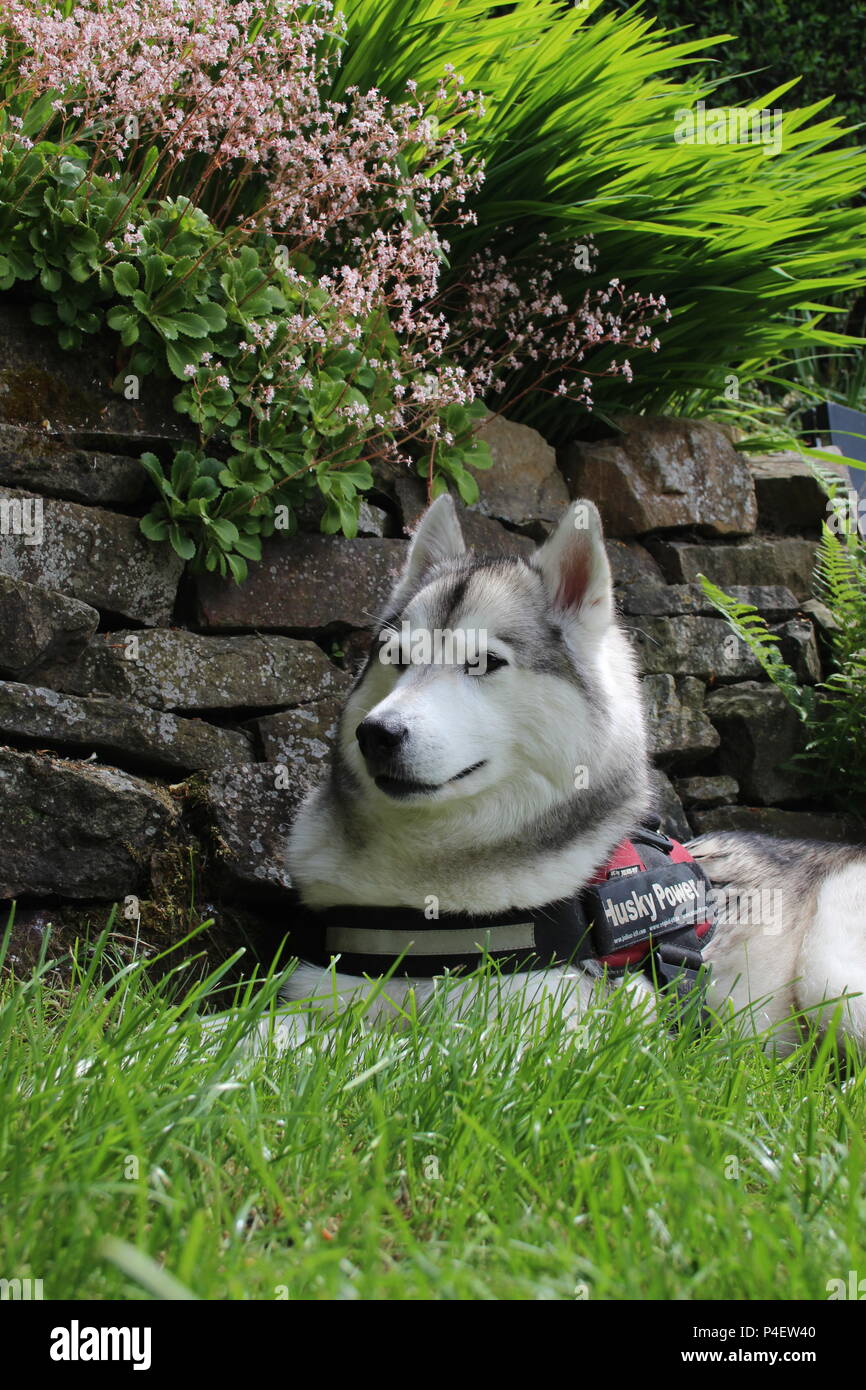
{"points": [[579, 141]]}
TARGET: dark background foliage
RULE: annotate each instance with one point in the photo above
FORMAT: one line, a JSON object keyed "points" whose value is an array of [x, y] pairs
{"points": [[777, 40]]}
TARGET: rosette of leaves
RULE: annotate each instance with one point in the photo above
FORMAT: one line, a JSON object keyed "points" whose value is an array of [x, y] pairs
{"points": [[181, 297], [272, 458], [54, 226], [169, 313], [452, 460], [212, 528]]}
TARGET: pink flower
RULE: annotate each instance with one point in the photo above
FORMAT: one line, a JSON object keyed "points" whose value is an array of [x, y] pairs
{"points": [[233, 85]]}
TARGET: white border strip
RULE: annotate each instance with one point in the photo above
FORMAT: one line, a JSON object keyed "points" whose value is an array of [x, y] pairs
{"points": [[445, 941]]}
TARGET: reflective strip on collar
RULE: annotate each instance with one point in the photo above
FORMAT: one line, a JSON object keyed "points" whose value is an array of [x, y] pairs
{"points": [[445, 942]]}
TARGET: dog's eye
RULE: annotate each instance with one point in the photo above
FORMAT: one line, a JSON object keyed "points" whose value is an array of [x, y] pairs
{"points": [[493, 663]]}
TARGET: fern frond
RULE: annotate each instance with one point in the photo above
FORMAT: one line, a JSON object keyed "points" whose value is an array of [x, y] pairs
{"points": [[830, 482], [840, 582], [746, 622]]}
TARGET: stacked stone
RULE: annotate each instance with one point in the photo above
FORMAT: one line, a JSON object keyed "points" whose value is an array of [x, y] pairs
{"points": [[158, 728], [721, 729]]}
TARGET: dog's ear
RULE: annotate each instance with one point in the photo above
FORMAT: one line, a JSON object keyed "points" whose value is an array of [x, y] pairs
{"points": [[575, 567], [437, 537]]}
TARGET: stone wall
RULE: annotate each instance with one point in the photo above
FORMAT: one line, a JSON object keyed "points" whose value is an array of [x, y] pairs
{"points": [[157, 729]]}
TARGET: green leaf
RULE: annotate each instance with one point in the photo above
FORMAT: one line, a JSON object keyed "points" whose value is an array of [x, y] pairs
{"points": [[349, 518], [249, 546], [478, 454], [155, 272], [204, 487], [183, 471], [154, 526], [152, 466], [166, 327], [331, 520], [213, 315], [193, 325], [180, 356], [466, 486], [70, 174], [225, 531], [125, 278], [359, 474], [50, 279], [238, 567], [120, 318], [182, 544], [22, 263], [80, 270]]}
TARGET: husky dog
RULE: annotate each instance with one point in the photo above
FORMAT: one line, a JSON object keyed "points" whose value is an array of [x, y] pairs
{"points": [[504, 778]]}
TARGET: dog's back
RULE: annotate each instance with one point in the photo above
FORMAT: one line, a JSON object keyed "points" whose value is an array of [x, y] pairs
{"points": [[791, 927]]}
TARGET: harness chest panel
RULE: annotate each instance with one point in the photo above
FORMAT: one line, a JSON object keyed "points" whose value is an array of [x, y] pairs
{"points": [[633, 905]]}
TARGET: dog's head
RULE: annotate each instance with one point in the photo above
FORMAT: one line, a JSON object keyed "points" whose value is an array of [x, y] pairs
{"points": [[493, 674]]}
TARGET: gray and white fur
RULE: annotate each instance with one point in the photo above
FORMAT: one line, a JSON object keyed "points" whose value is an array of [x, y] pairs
{"points": [[509, 789]]}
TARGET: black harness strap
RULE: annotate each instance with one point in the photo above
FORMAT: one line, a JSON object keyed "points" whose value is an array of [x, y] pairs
{"points": [[649, 912], [551, 935]]}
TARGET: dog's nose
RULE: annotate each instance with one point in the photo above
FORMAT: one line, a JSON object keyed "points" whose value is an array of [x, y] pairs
{"points": [[380, 738]]}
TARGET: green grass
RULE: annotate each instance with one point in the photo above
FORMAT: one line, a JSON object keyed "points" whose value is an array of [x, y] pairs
{"points": [[453, 1159]]}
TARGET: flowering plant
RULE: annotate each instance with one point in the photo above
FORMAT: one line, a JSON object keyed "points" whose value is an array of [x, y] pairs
{"points": [[174, 171]]}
